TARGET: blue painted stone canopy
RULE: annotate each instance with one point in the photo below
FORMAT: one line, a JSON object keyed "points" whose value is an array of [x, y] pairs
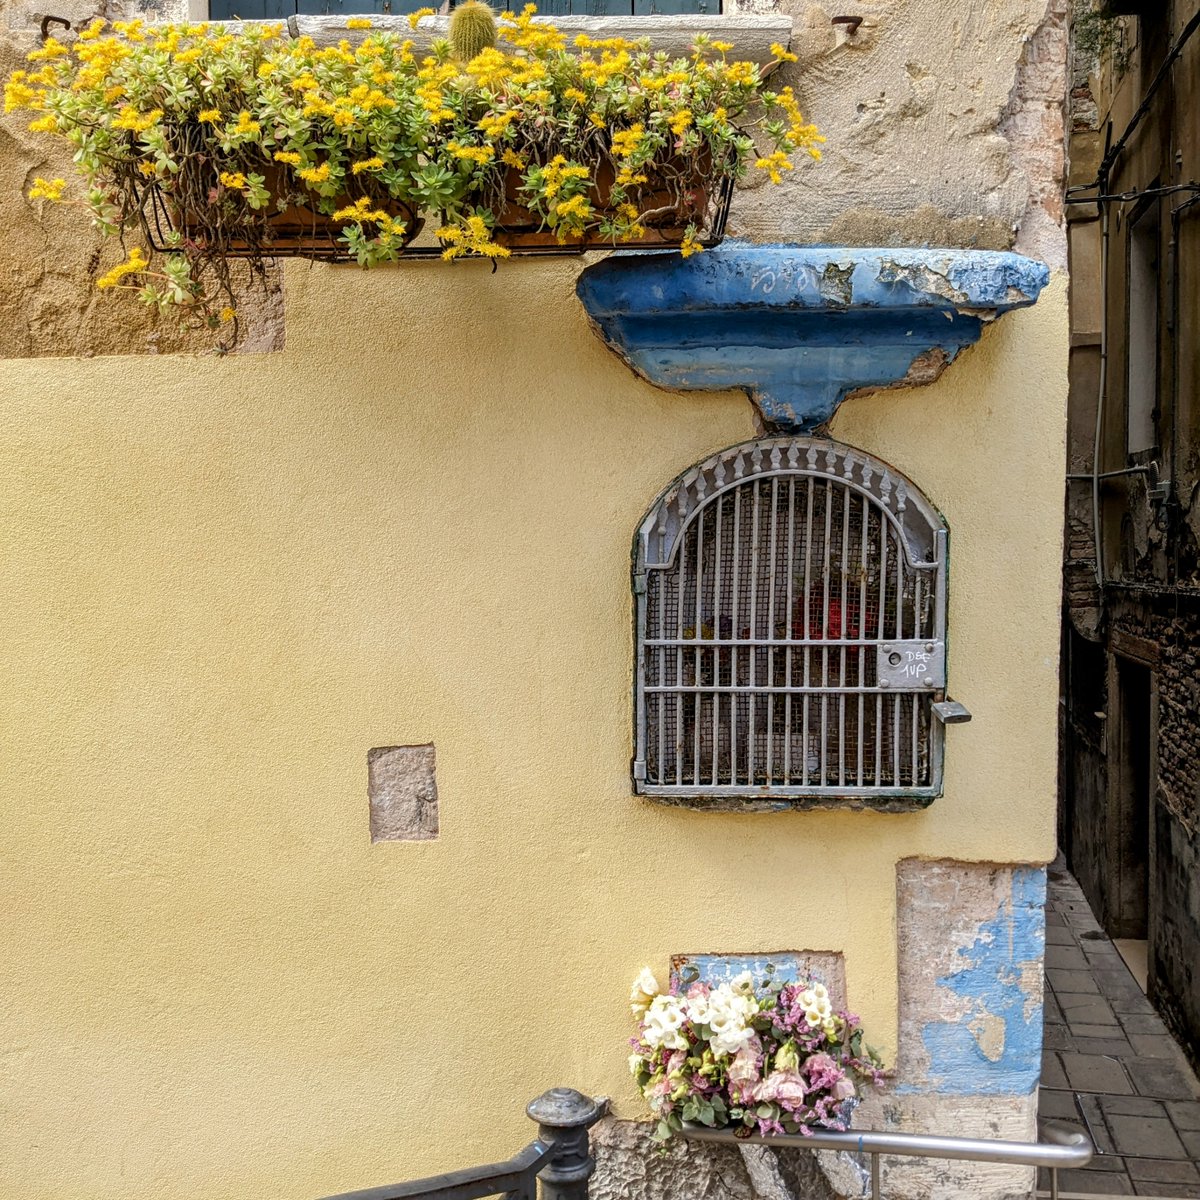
{"points": [[799, 327]]}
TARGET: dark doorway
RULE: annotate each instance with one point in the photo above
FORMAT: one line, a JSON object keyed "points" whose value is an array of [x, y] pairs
{"points": [[1131, 802]]}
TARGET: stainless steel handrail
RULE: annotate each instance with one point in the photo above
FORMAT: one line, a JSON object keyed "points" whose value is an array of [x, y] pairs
{"points": [[1065, 1147]]}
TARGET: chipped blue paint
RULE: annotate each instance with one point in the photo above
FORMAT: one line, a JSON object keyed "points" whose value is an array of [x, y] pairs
{"points": [[720, 968], [799, 327], [995, 1047]]}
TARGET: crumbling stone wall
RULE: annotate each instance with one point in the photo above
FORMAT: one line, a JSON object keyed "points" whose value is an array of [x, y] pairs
{"points": [[50, 256]]}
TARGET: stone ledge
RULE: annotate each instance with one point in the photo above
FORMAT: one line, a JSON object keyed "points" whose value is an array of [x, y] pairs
{"points": [[799, 328]]}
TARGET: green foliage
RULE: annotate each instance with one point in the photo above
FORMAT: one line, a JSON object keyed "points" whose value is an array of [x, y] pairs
{"points": [[1099, 34]]}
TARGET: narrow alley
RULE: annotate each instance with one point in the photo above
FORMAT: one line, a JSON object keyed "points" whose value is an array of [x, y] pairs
{"points": [[1109, 1065]]}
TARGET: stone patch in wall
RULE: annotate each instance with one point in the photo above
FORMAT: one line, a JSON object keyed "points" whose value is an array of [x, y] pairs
{"points": [[630, 1166], [402, 790]]}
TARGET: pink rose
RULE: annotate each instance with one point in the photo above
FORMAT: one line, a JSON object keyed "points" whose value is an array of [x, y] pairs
{"points": [[783, 1087]]}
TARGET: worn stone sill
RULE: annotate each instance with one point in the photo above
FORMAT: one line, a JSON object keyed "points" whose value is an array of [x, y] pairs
{"points": [[752, 34], [774, 804], [799, 327]]}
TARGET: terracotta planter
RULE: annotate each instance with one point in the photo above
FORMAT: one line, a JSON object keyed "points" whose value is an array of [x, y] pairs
{"points": [[669, 208], [298, 231]]}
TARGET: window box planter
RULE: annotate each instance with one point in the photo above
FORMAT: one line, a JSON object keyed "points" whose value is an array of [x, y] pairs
{"points": [[249, 143]]}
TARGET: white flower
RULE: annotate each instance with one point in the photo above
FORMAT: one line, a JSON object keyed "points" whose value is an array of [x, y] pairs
{"points": [[820, 992], [635, 1063], [730, 1040], [808, 997], [662, 1022], [814, 1018], [743, 984], [645, 988]]}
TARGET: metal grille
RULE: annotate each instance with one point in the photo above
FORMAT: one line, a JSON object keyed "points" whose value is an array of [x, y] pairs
{"points": [[791, 610]]}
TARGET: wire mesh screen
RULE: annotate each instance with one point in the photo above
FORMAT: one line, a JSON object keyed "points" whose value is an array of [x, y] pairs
{"points": [[761, 640]]}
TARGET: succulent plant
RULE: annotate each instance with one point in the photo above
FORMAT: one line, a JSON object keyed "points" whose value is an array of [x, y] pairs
{"points": [[472, 29]]}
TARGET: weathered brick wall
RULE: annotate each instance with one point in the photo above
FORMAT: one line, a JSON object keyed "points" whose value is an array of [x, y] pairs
{"points": [[1172, 622]]}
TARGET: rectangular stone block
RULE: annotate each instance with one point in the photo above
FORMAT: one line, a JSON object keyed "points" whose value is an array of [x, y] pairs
{"points": [[402, 791]]}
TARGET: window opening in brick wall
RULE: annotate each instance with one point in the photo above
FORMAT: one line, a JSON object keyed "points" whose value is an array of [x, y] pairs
{"points": [[790, 598]]}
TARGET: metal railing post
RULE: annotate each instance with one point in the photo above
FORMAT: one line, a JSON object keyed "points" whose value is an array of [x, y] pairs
{"points": [[563, 1118]]}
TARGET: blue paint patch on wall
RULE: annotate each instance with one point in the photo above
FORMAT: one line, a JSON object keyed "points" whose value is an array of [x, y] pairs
{"points": [[720, 968], [799, 327], [996, 1048]]}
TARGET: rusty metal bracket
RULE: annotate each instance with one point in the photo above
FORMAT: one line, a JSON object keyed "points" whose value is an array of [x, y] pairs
{"points": [[47, 21], [851, 23]]}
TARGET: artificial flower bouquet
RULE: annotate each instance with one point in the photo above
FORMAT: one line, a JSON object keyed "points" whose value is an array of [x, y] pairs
{"points": [[767, 1059]]}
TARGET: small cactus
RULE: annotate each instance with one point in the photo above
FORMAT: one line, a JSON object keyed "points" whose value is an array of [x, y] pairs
{"points": [[472, 30]]}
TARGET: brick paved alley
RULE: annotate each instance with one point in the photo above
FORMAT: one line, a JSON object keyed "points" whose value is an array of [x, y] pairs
{"points": [[1109, 1066]]}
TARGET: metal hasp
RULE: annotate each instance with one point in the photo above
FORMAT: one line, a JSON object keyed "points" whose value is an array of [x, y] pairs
{"points": [[799, 328]]}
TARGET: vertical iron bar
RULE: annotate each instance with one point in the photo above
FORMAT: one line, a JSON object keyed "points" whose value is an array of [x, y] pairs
{"points": [[899, 634], [916, 695], [791, 630], [716, 650], [863, 535], [753, 632], [825, 634], [660, 594], [808, 529], [734, 651], [883, 558], [698, 634], [679, 660], [875, 1192], [1053, 1183], [771, 635], [845, 633]]}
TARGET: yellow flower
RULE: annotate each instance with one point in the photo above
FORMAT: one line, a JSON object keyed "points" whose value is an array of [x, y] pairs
{"points": [[775, 163], [626, 142], [690, 245], [51, 48], [135, 262], [137, 122], [722, 47], [597, 120], [232, 179], [315, 174], [209, 116], [359, 23], [246, 125], [287, 156], [414, 17], [575, 94], [368, 164], [147, 168], [512, 159], [46, 124], [227, 313], [266, 70], [478, 154], [680, 122], [576, 207], [361, 211], [471, 236], [780, 53], [44, 189]]}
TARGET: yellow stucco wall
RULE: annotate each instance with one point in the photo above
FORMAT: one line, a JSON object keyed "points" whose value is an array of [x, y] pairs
{"points": [[223, 581]]}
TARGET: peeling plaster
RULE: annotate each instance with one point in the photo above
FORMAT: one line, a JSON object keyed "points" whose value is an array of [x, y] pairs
{"points": [[988, 1038]]}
